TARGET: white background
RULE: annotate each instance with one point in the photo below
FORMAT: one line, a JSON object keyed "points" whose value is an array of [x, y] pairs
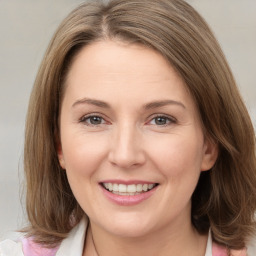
{"points": [[25, 29]]}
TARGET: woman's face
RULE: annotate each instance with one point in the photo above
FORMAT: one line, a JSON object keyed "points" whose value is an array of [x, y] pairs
{"points": [[131, 140]]}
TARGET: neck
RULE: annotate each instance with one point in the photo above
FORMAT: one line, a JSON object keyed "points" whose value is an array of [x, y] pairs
{"points": [[179, 241]]}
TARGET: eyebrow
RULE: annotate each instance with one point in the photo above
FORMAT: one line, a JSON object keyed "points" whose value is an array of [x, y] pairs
{"points": [[150, 105], [162, 103], [94, 102]]}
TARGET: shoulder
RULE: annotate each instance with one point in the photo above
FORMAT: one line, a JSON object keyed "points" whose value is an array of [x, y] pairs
{"points": [[30, 248], [11, 248], [72, 245], [24, 247], [218, 250], [222, 251]]}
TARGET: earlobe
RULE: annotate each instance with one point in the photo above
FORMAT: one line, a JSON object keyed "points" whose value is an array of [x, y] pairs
{"points": [[59, 150], [61, 157], [210, 154]]}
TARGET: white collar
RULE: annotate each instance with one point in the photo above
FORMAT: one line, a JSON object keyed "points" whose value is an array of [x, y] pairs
{"points": [[74, 243], [208, 251]]}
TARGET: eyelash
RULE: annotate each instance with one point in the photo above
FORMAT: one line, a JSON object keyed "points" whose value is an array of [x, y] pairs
{"points": [[85, 119], [169, 120]]}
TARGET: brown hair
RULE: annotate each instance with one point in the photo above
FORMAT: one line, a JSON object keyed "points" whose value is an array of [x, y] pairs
{"points": [[225, 197]]}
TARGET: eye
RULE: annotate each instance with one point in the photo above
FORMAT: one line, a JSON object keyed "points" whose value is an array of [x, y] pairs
{"points": [[93, 120], [162, 120]]}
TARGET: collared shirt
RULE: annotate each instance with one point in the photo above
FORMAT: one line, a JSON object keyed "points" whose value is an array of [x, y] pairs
{"points": [[74, 244]]}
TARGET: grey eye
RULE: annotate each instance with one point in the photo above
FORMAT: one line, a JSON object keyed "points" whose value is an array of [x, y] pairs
{"points": [[161, 120], [94, 120]]}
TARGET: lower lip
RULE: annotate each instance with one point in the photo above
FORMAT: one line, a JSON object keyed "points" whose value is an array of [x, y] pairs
{"points": [[128, 200]]}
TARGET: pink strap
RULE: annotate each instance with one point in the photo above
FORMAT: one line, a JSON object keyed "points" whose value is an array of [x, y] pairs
{"points": [[218, 250], [30, 248]]}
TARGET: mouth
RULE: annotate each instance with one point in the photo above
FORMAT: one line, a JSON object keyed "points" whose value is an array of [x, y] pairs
{"points": [[128, 190]]}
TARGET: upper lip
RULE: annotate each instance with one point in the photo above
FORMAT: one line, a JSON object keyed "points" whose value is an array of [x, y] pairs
{"points": [[127, 182]]}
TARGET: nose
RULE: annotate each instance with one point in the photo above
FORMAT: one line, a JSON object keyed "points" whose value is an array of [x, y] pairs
{"points": [[127, 147]]}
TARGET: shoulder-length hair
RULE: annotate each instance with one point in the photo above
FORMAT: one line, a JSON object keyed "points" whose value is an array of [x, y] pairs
{"points": [[225, 197]]}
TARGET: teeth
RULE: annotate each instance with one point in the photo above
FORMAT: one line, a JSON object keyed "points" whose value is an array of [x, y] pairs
{"points": [[139, 187], [150, 186], [122, 188], [145, 187], [132, 189], [115, 187]]}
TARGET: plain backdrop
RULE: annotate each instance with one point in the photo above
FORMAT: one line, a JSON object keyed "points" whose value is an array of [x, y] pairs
{"points": [[26, 27]]}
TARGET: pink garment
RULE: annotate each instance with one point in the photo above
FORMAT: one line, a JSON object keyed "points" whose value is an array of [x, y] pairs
{"points": [[218, 250], [32, 249]]}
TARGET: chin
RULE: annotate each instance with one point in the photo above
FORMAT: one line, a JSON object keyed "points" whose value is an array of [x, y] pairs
{"points": [[130, 231], [130, 227]]}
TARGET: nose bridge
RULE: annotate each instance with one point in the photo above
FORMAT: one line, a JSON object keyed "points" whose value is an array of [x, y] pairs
{"points": [[126, 150]]}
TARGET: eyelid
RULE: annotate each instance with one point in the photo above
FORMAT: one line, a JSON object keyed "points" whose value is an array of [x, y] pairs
{"points": [[172, 119], [95, 114], [83, 119]]}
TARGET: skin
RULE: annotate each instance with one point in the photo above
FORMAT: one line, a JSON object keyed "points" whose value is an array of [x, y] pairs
{"points": [[128, 142]]}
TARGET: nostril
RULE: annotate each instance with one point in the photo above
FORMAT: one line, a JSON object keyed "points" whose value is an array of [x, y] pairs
{"points": [[126, 159]]}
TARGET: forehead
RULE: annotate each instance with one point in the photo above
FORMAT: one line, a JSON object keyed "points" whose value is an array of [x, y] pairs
{"points": [[133, 71], [120, 57]]}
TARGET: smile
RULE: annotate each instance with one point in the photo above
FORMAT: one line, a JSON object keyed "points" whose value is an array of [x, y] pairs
{"points": [[128, 193], [128, 190]]}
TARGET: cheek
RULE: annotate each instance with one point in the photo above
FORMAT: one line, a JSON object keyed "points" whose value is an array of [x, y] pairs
{"points": [[83, 154], [176, 154]]}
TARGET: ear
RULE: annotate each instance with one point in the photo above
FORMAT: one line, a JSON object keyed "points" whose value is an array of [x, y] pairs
{"points": [[210, 154], [60, 155]]}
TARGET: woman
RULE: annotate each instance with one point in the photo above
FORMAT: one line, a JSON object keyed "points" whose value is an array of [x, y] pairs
{"points": [[137, 140]]}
